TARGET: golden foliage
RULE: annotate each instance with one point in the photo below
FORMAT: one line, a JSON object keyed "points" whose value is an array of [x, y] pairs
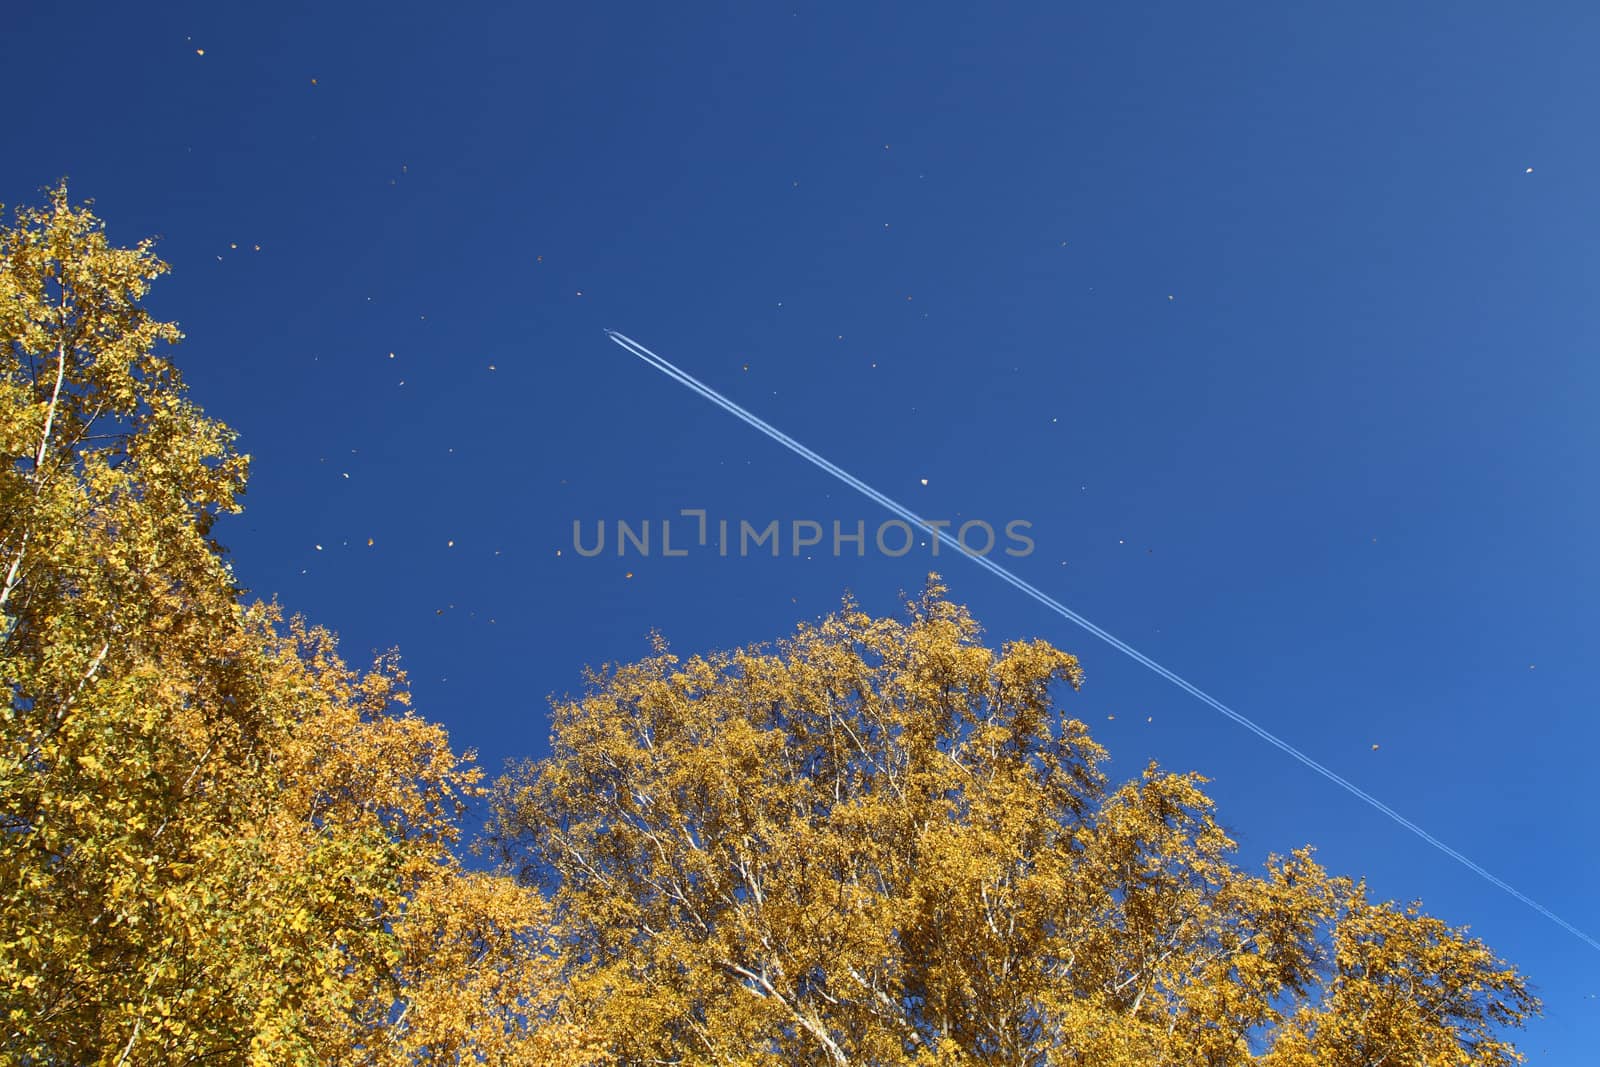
{"points": [[879, 843], [876, 843], [217, 841]]}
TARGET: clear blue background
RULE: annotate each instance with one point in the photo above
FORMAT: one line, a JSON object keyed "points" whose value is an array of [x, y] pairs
{"points": [[1253, 311]]}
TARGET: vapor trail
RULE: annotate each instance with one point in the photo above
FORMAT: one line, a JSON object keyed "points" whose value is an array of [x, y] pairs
{"points": [[695, 385]]}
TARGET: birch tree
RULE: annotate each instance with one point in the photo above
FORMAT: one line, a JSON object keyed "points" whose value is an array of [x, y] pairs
{"points": [[882, 842]]}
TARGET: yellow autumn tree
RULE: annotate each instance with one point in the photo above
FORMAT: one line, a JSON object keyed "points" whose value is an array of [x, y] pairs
{"points": [[218, 842], [881, 842]]}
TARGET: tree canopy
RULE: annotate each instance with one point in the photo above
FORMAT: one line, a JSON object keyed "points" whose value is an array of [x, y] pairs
{"points": [[218, 842], [881, 842], [876, 842]]}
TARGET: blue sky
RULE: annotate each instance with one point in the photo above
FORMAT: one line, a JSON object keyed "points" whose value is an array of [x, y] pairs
{"points": [[1256, 313]]}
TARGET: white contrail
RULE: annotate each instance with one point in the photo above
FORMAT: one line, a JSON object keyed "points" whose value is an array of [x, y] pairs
{"points": [[1067, 613]]}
